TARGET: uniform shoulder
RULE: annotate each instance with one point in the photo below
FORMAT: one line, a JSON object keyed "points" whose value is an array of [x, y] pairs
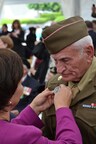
{"points": [[55, 81]]}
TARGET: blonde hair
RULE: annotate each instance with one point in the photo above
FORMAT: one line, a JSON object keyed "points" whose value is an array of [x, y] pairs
{"points": [[7, 39]]}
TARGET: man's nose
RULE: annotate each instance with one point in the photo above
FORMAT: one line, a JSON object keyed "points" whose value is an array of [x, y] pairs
{"points": [[61, 68]]}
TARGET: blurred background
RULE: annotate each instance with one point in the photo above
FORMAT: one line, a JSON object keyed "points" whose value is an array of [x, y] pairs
{"points": [[34, 12]]}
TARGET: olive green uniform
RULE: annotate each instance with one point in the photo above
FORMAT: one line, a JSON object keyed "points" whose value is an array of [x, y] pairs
{"points": [[83, 107]]}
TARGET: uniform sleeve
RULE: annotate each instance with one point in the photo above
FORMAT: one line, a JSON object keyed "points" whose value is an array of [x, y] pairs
{"points": [[67, 131], [67, 127], [28, 117]]}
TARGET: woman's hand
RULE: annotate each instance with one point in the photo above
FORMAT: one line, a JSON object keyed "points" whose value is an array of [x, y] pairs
{"points": [[42, 101], [14, 34], [63, 97]]}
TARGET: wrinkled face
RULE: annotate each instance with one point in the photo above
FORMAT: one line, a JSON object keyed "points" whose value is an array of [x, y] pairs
{"points": [[72, 64]]}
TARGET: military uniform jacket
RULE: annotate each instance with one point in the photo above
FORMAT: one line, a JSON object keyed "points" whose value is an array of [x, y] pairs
{"points": [[84, 110]]}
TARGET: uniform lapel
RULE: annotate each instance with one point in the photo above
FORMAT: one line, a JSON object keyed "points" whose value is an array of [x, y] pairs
{"points": [[86, 92]]}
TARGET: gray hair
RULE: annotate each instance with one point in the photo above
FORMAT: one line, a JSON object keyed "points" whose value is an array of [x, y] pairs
{"points": [[82, 43]]}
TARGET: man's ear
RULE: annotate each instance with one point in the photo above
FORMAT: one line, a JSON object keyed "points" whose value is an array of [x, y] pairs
{"points": [[89, 51]]}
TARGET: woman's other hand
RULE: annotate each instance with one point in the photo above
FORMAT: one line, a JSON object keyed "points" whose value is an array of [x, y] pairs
{"points": [[42, 101], [63, 97]]}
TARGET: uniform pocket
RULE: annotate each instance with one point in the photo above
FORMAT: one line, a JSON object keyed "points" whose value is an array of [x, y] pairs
{"points": [[87, 115]]}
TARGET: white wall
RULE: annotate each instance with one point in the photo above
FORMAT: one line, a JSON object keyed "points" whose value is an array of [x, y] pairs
{"points": [[69, 7], [78, 7], [86, 6]]}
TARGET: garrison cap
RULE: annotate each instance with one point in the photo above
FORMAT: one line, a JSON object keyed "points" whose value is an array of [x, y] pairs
{"points": [[64, 33]]}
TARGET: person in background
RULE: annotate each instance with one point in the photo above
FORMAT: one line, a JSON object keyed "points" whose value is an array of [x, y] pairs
{"points": [[72, 48], [31, 38], [40, 70], [17, 30], [17, 35], [25, 128], [31, 87], [93, 13], [4, 30]]}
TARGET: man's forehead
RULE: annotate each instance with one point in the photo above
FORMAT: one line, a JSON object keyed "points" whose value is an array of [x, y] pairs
{"points": [[63, 53]]}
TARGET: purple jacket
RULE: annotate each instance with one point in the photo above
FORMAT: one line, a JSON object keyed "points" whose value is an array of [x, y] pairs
{"points": [[25, 129]]}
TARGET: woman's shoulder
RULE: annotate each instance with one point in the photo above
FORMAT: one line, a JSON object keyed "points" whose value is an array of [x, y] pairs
{"points": [[15, 133]]}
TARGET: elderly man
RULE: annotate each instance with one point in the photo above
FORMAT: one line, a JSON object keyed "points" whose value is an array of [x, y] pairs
{"points": [[72, 48]]}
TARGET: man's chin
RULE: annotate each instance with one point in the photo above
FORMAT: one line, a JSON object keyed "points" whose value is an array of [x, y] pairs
{"points": [[66, 79]]}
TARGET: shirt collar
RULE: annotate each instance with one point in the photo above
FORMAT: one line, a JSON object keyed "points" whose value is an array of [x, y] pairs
{"points": [[88, 76]]}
